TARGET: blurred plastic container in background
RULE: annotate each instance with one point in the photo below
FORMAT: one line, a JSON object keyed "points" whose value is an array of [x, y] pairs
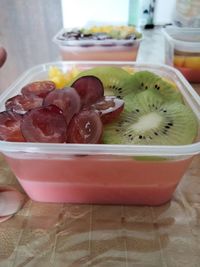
{"points": [[187, 13], [101, 31], [182, 50], [112, 43]]}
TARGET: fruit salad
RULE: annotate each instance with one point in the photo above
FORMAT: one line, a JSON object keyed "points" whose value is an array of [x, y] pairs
{"points": [[99, 133], [99, 43], [104, 104], [101, 33]]}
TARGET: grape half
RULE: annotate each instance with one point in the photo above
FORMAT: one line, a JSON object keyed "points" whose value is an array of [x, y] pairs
{"points": [[89, 88], [85, 128], [109, 108], [45, 124]]}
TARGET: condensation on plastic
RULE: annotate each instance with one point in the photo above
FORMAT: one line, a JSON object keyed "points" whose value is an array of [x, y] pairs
{"points": [[50, 235]]}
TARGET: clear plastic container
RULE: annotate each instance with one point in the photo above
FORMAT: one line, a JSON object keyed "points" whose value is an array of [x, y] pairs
{"points": [[187, 13], [99, 50], [182, 47], [99, 173]]}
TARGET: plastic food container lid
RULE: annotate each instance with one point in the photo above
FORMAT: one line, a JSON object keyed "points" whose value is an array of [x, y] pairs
{"points": [[110, 42], [184, 39], [40, 72]]}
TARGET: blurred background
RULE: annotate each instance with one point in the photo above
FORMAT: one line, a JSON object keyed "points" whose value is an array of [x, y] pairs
{"points": [[27, 27], [118, 12]]}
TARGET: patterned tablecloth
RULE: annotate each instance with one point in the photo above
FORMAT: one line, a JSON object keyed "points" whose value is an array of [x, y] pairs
{"points": [[66, 235]]}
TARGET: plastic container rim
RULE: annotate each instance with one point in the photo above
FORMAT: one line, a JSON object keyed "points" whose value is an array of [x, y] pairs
{"points": [[181, 45], [100, 149]]}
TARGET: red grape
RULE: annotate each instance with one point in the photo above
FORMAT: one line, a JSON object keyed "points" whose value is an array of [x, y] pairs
{"points": [[66, 99], [109, 108], [21, 104], [10, 127], [40, 88], [85, 128], [90, 89], [45, 124]]}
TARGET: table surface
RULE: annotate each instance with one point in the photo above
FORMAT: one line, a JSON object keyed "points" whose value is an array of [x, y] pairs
{"points": [[90, 235]]}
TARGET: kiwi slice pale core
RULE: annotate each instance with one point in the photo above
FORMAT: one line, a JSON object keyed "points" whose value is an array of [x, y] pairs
{"points": [[153, 121], [145, 80], [112, 77]]}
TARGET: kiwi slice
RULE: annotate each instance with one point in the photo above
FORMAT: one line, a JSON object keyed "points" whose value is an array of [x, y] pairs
{"points": [[150, 95], [145, 80], [112, 77], [153, 121]]}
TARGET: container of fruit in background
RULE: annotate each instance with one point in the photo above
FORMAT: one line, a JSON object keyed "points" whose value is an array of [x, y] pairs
{"points": [[103, 132], [106, 43], [182, 47]]}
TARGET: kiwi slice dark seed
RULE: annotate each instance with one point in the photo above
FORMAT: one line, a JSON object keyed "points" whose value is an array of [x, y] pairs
{"points": [[112, 77], [145, 80], [152, 121]]}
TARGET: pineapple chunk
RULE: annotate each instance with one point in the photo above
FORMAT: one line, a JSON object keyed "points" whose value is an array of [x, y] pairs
{"points": [[60, 78]]}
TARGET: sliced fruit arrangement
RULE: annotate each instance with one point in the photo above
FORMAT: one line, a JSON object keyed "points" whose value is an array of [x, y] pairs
{"points": [[101, 33], [105, 104], [41, 113], [113, 79]]}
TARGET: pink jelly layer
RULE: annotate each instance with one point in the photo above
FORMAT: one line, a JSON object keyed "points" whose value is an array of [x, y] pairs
{"points": [[92, 179], [107, 53]]}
